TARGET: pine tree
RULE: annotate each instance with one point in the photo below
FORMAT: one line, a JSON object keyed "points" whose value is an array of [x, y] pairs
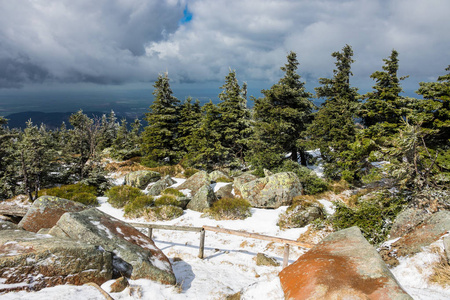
{"points": [[190, 118], [159, 138], [333, 128], [281, 118], [234, 117], [384, 106]]}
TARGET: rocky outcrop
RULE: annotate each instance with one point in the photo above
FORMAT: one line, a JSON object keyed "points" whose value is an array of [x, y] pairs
{"points": [[30, 261], [300, 216], [203, 199], [241, 180], [423, 235], [160, 185], [6, 225], [214, 175], [134, 254], [195, 182], [141, 179], [273, 191], [225, 192], [46, 211], [406, 221], [343, 266]]}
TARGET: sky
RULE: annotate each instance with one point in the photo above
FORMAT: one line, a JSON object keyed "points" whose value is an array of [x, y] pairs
{"points": [[62, 55]]}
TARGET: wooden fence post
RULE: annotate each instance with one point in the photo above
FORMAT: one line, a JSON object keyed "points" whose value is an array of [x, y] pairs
{"points": [[286, 256], [150, 232], [202, 244]]}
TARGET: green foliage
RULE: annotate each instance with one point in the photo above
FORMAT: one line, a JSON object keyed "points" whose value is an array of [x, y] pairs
{"points": [[136, 208], [190, 118], [168, 200], [281, 119], [159, 141], [230, 209], [127, 143], [312, 184], [76, 192], [374, 216], [120, 195], [163, 213], [172, 191]]}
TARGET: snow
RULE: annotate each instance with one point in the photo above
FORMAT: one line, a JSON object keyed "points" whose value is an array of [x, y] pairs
{"points": [[317, 168], [228, 266], [328, 206]]}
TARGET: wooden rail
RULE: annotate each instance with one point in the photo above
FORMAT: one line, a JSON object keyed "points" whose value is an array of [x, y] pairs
{"points": [[203, 229]]}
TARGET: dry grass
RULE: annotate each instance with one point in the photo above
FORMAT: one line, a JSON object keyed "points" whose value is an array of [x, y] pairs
{"points": [[441, 269], [125, 167]]}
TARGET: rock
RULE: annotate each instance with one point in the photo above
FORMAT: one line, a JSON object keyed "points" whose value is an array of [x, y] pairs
{"points": [[184, 201], [225, 192], [267, 173], [406, 221], [203, 199], [134, 254], [264, 260], [195, 182], [241, 180], [447, 247], [214, 175], [300, 216], [141, 179], [273, 191], [160, 186], [46, 211], [6, 225], [343, 266], [30, 261], [119, 285], [423, 235]]}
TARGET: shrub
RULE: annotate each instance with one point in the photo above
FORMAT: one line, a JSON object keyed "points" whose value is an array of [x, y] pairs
{"points": [[167, 200], [76, 192], [312, 184], [189, 172], [230, 209], [224, 179], [137, 207], [85, 198], [374, 216], [119, 196], [162, 213], [172, 191]]}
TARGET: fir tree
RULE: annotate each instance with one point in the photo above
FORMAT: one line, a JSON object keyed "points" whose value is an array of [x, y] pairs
{"points": [[281, 118], [333, 128], [159, 138], [234, 116]]}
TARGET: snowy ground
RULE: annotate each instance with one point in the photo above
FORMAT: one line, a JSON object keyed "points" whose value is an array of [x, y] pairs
{"points": [[228, 266]]}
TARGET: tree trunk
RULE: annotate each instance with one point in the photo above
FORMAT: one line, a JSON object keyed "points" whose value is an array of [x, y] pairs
{"points": [[302, 157], [294, 154]]}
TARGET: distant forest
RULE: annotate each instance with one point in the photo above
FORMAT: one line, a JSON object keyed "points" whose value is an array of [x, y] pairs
{"points": [[362, 138]]}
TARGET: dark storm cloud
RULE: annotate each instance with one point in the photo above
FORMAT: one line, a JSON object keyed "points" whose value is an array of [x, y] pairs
{"points": [[15, 72]]}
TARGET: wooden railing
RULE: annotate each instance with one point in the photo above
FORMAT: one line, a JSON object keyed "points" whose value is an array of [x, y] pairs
{"points": [[204, 228]]}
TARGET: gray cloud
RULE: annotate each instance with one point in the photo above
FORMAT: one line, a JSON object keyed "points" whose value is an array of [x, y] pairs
{"points": [[114, 41]]}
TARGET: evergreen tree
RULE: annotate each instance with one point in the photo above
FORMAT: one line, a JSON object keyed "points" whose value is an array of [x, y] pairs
{"points": [[234, 116], [333, 128], [126, 145], [384, 106], [190, 119], [159, 139], [8, 173], [108, 130], [280, 119]]}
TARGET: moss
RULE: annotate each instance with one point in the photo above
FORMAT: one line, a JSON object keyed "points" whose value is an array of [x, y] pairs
{"points": [[230, 209], [119, 196], [172, 191], [137, 207], [224, 179]]}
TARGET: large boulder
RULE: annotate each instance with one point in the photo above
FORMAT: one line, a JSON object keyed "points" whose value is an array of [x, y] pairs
{"points": [[46, 211], [225, 191], [241, 180], [272, 191], [134, 254], [406, 221], [300, 216], [214, 175], [160, 185], [195, 182], [30, 261], [203, 199], [423, 235], [6, 225], [141, 179], [343, 266]]}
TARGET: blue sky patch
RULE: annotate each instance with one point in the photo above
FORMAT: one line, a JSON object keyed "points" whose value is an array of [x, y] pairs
{"points": [[187, 16]]}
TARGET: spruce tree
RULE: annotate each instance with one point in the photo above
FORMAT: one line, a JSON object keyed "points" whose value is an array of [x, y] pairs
{"points": [[333, 128], [190, 118], [281, 118], [234, 117], [8, 172], [159, 138], [384, 106]]}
